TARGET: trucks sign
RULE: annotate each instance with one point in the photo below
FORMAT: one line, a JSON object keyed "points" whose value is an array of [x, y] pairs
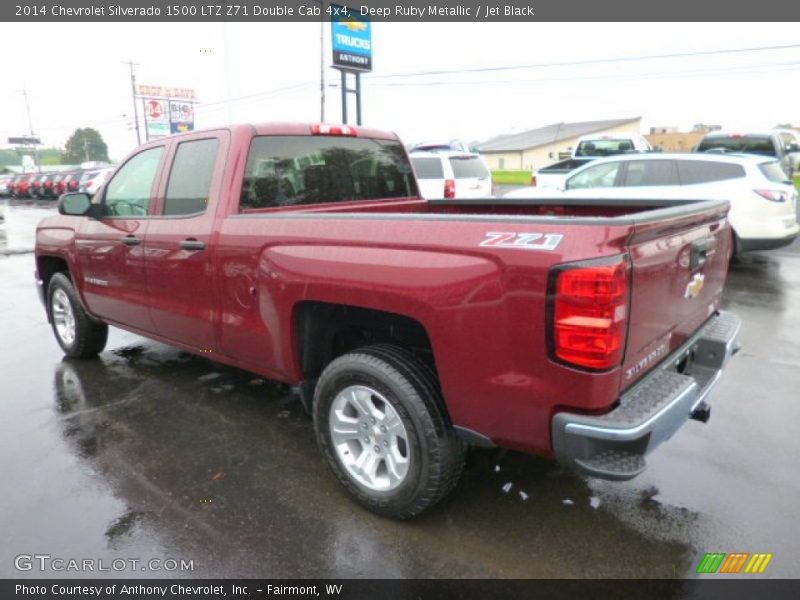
{"points": [[351, 39]]}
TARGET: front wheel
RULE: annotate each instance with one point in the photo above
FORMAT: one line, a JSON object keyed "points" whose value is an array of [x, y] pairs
{"points": [[381, 424], [76, 332]]}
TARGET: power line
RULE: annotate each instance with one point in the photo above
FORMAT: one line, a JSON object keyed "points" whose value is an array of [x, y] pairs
{"points": [[273, 92], [771, 67], [596, 61]]}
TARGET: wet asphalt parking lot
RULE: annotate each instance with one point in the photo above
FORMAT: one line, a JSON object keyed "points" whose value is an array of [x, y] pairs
{"points": [[152, 453]]}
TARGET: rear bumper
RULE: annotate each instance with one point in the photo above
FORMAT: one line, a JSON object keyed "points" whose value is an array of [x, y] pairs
{"points": [[613, 445], [753, 244]]}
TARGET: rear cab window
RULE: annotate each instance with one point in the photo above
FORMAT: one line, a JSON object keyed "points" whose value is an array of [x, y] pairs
{"points": [[601, 147], [467, 167], [745, 144], [291, 170]]}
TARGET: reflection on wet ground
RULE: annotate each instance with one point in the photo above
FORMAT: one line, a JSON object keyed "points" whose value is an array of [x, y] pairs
{"points": [[150, 452]]}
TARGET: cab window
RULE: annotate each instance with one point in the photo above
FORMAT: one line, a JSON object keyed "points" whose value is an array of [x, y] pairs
{"points": [[129, 193], [596, 176], [190, 177], [650, 172]]}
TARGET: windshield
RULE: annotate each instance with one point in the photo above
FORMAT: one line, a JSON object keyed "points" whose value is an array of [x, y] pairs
{"points": [[468, 166]]}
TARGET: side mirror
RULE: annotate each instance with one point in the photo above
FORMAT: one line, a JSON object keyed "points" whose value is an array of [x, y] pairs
{"points": [[75, 204]]}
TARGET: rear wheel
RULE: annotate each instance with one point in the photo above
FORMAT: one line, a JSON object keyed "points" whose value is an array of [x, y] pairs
{"points": [[381, 424], [76, 332]]}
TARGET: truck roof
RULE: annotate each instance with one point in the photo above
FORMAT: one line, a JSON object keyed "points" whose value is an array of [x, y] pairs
{"points": [[294, 128]]}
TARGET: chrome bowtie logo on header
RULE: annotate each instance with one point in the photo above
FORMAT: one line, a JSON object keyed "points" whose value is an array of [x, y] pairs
{"points": [[720, 563]]}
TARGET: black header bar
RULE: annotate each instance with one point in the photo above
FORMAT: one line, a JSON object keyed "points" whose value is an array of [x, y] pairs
{"points": [[406, 11], [707, 588]]}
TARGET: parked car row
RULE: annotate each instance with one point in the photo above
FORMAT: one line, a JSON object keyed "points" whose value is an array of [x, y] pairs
{"points": [[51, 185]]}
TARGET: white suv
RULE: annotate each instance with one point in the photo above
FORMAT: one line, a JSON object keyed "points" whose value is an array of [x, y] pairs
{"points": [[763, 201], [449, 174]]}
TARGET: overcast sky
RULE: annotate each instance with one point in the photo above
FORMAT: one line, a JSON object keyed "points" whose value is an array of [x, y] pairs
{"points": [[75, 77]]}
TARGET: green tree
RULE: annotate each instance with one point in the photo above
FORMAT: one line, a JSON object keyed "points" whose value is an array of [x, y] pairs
{"points": [[85, 144]]}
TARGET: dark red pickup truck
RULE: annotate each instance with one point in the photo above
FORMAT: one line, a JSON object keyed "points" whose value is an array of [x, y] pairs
{"points": [[588, 331]]}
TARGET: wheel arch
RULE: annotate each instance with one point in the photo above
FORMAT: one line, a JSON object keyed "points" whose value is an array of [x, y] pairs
{"points": [[324, 331]]}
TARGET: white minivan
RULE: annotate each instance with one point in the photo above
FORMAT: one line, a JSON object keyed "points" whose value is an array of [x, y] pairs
{"points": [[449, 174]]}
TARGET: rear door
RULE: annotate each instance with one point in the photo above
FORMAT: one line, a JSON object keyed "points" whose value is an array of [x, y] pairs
{"points": [[180, 275], [679, 267], [472, 177]]}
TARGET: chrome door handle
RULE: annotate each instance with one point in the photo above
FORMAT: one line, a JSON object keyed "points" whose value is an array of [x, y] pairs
{"points": [[131, 240], [193, 245]]}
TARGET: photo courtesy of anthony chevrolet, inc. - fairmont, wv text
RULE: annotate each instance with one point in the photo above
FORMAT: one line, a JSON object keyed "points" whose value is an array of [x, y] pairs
{"points": [[410, 301]]}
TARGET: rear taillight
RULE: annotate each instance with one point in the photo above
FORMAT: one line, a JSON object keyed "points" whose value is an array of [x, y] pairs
{"points": [[773, 195], [589, 314], [449, 188], [323, 129]]}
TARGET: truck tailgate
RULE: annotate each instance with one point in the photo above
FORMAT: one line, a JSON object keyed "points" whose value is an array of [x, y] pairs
{"points": [[679, 270]]}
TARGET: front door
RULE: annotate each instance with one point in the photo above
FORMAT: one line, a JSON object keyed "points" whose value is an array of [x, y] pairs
{"points": [[110, 249]]}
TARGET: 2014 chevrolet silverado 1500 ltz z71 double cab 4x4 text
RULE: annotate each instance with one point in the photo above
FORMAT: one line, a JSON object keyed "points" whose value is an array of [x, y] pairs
{"points": [[588, 331]]}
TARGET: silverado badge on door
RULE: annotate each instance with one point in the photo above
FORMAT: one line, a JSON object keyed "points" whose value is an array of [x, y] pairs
{"points": [[695, 286]]}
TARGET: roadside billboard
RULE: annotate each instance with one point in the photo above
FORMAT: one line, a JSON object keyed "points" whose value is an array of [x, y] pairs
{"points": [[351, 40], [181, 117], [156, 118]]}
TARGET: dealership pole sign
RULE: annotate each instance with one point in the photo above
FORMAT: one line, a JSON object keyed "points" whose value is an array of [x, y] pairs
{"points": [[181, 116], [156, 118], [351, 39], [167, 110]]}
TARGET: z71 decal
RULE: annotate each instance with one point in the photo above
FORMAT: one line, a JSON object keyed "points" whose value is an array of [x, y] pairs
{"points": [[522, 241]]}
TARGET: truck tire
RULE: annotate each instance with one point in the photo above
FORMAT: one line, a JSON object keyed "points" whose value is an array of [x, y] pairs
{"points": [[381, 424], [76, 332]]}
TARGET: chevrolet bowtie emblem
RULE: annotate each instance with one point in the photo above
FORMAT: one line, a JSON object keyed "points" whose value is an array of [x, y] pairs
{"points": [[695, 286]]}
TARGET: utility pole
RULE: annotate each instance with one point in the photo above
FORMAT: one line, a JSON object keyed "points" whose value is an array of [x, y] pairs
{"points": [[322, 61], [30, 127], [131, 64]]}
